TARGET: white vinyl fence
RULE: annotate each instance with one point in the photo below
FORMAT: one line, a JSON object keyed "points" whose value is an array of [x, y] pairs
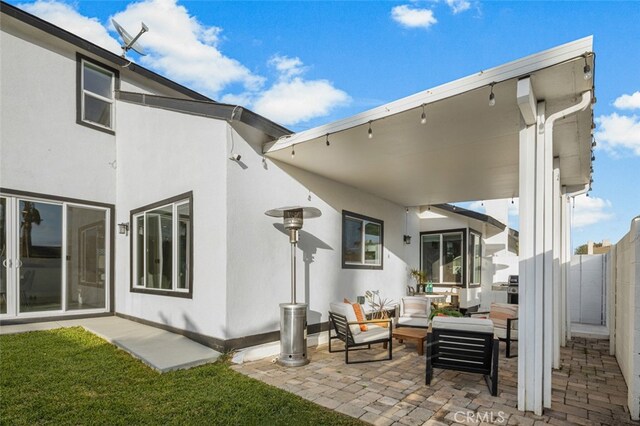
{"points": [[587, 289]]}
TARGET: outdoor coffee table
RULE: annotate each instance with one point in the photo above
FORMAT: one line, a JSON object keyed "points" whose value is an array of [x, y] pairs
{"points": [[411, 334]]}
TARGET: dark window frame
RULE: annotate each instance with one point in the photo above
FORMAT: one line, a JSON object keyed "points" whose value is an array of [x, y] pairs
{"points": [[80, 92], [470, 257], [463, 231], [353, 215], [160, 292]]}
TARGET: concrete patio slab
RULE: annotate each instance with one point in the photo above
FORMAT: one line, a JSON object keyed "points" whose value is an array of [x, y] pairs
{"points": [[161, 350]]}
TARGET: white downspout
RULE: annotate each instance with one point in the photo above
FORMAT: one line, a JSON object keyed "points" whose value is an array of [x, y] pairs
{"points": [[548, 291]]}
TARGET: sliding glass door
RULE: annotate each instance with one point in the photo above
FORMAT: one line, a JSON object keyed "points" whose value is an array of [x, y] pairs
{"points": [[55, 257]]}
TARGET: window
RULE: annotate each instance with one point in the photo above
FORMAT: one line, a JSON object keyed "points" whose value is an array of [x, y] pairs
{"points": [[362, 241], [96, 88], [161, 242], [475, 258], [443, 258]]}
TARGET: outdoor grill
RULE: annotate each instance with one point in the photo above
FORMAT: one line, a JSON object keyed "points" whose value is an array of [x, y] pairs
{"points": [[512, 290], [293, 316]]}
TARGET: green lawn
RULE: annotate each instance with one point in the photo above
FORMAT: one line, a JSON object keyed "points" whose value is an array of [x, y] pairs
{"points": [[70, 376]]}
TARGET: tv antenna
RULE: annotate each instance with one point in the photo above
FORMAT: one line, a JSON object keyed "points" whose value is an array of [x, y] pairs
{"points": [[130, 43]]}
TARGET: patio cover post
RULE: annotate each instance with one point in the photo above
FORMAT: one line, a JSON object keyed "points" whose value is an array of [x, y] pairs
{"points": [[565, 263], [557, 284], [530, 314]]}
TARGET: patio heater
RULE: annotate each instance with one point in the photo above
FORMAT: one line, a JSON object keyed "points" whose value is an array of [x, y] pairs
{"points": [[293, 316]]}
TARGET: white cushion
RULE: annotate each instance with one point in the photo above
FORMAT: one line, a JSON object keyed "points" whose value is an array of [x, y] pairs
{"points": [[502, 333], [346, 310], [413, 322], [464, 324], [374, 332], [415, 307]]}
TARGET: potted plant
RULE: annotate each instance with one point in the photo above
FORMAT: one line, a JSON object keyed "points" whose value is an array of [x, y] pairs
{"points": [[380, 307], [445, 312], [420, 277]]}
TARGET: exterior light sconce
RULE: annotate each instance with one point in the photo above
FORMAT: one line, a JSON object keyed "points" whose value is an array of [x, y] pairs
{"points": [[123, 228], [407, 239]]}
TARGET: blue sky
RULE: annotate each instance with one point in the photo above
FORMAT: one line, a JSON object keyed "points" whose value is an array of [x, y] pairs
{"points": [[329, 60]]}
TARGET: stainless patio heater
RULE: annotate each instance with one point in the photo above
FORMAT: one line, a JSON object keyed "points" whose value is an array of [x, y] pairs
{"points": [[293, 316]]}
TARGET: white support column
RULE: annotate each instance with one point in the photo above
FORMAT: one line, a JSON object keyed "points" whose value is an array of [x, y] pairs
{"points": [[564, 264], [544, 198], [557, 285], [530, 310], [567, 269]]}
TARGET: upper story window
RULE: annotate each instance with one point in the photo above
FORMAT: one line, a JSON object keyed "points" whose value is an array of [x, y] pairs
{"points": [[161, 247], [362, 241], [96, 91]]}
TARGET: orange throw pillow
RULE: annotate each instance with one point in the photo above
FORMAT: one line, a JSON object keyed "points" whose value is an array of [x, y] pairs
{"points": [[345, 300], [357, 309]]}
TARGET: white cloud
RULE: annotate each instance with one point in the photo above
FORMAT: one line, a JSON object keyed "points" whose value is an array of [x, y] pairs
{"points": [[184, 49], [628, 101], [292, 99], [66, 17], [617, 134], [590, 210], [413, 17], [458, 6]]}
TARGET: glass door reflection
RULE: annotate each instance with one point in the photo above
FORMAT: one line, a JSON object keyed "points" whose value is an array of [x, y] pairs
{"points": [[40, 254]]}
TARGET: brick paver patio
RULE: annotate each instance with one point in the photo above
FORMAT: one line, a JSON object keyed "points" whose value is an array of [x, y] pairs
{"points": [[588, 390]]}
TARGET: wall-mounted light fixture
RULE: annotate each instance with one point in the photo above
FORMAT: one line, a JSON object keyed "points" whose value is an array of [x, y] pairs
{"points": [[407, 239], [123, 228]]}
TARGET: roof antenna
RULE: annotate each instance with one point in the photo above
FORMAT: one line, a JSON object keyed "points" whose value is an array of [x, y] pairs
{"points": [[130, 43]]}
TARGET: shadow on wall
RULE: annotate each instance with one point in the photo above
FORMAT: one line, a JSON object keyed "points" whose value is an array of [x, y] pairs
{"points": [[324, 188], [309, 244]]}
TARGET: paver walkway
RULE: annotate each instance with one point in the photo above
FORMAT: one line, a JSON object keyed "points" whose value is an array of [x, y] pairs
{"points": [[160, 349], [588, 390]]}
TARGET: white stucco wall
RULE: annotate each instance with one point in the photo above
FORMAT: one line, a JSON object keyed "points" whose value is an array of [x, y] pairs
{"points": [[162, 154], [42, 148], [259, 252]]}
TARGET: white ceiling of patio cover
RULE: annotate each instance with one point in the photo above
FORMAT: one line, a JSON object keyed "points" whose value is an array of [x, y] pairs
{"points": [[466, 151]]}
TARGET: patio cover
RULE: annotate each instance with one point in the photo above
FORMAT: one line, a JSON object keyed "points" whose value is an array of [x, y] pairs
{"points": [[466, 150], [535, 143]]}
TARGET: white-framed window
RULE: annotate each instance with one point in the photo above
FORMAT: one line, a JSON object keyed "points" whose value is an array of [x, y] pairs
{"points": [[96, 91], [161, 242], [362, 241]]}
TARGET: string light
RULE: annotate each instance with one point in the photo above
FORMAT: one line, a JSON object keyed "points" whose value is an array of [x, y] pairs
{"points": [[587, 69], [293, 151], [423, 117], [370, 132], [328, 143], [492, 96]]}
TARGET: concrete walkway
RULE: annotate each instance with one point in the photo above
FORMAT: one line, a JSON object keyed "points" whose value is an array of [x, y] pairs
{"points": [[161, 350]]}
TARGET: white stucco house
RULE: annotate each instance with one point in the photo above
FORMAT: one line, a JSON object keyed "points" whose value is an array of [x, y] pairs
{"points": [[121, 192], [452, 236]]}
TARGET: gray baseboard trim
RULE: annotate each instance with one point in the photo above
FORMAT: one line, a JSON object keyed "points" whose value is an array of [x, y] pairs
{"points": [[219, 345], [18, 321]]}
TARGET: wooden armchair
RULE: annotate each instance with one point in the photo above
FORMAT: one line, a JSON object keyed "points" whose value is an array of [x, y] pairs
{"points": [[343, 322], [463, 344], [505, 322]]}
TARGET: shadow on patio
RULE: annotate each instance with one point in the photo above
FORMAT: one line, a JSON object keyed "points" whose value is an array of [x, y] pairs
{"points": [[588, 390]]}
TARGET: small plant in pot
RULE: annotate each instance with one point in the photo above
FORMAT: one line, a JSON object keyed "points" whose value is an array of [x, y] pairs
{"points": [[445, 312]]}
